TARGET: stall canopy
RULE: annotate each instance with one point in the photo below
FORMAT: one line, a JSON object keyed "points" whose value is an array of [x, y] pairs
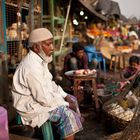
{"points": [[114, 9], [123, 18], [102, 8], [91, 5], [108, 8]]}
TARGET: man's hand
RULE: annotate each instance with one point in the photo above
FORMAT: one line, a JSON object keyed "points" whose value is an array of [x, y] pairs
{"points": [[68, 99], [72, 104], [124, 83]]}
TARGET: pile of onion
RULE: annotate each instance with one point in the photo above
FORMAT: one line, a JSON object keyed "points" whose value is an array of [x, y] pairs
{"points": [[84, 71]]}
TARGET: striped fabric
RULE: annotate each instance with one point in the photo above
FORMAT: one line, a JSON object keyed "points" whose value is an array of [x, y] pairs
{"points": [[66, 120]]}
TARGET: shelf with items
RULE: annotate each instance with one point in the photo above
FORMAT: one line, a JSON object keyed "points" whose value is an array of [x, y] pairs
{"points": [[46, 19], [16, 28], [25, 5], [18, 16], [21, 17], [4, 98], [55, 19], [57, 30]]}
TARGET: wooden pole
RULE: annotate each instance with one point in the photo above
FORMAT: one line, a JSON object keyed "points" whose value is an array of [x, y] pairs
{"points": [[65, 25]]}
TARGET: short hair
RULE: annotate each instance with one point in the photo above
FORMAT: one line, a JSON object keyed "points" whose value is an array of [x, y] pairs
{"points": [[77, 47], [134, 59]]}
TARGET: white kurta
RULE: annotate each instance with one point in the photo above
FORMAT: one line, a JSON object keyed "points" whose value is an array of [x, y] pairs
{"points": [[34, 93]]}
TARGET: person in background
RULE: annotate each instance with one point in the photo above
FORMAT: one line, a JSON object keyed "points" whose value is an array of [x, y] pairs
{"points": [[132, 71], [133, 40], [76, 59], [36, 96]]}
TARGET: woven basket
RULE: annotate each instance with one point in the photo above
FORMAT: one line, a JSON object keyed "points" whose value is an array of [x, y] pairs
{"points": [[134, 135], [132, 131], [117, 114], [113, 123], [114, 136]]}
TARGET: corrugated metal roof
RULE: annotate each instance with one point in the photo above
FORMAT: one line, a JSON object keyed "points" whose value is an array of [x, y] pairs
{"points": [[90, 5], [103, 6], [114, 9]]}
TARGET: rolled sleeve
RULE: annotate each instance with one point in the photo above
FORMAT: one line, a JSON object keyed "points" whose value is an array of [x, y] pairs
{"points": [[59, 90]]}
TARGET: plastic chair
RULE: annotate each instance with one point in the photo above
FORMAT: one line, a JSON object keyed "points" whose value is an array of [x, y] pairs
{"points": [[93, 54], [117, 58], [46, 128]]}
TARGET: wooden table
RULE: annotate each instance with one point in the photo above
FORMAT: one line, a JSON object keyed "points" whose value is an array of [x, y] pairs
{"points": [[92, 78], [79, 78], [136, 53]]}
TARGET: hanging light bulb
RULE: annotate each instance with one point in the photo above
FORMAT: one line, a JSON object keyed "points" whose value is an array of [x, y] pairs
{"points": [[86, 17], [81, 13], [75, 22]]}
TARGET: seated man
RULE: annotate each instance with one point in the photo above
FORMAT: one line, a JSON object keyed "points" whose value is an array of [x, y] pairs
{"points": [[76, 60], [130, 72], [133, 40], [36, 96]]}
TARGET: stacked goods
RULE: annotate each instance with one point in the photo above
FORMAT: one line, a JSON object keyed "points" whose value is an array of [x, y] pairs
{"points": [[132, 131], [124, 49], [13, 31], [119, 111], [84, 72]]}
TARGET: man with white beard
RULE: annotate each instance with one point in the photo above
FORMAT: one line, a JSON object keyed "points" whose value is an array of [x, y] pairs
{"points": [[36, 96]]}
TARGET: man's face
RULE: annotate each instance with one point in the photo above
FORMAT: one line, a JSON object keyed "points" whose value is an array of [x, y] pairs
{"points": [[134, 65], [46, 50], [80, 54], [47, 47], [132, 38]]}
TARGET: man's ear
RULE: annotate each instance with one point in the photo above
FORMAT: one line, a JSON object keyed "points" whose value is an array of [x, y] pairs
{"points": [[36, 48]]}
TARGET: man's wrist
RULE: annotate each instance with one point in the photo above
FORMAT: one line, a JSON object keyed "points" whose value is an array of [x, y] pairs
{"points": [[127, 81]]}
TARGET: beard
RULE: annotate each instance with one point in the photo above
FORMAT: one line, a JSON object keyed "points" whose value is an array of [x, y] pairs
{"points": [[47, 59]]}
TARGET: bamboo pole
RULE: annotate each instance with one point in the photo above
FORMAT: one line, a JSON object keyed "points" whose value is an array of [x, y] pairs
{"points": [[65, 25]]}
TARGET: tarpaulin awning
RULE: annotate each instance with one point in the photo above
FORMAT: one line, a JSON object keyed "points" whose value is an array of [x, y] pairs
{"points": [[89, 4]]}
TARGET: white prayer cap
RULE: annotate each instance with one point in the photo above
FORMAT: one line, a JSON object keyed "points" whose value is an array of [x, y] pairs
{"points": [[40, 34], [133, 33]]}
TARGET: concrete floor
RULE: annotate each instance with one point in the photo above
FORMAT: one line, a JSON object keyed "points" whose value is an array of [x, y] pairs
{"points": [[93, 126]]}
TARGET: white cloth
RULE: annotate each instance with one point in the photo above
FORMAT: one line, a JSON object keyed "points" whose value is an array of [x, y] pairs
{"points": [[133, 33], [34, 93], [40, 34]]}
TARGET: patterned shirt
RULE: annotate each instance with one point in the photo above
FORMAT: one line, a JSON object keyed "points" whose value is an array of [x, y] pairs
{"points": [[128, 72]]}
